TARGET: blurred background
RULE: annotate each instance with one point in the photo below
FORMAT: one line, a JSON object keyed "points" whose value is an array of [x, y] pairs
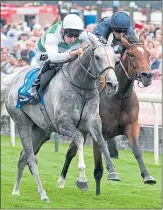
{"points": [[23, 22], [91, 11]]}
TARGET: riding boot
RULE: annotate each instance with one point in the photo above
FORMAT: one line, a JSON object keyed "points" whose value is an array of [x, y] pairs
{"points": [[45, 68], [34, 92]]}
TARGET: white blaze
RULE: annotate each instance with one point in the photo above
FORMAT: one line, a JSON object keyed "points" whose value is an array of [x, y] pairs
{"points": [[140, 49]]}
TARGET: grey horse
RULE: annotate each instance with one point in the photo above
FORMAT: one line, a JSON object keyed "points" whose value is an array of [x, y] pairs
{"points": [[72, 104]]}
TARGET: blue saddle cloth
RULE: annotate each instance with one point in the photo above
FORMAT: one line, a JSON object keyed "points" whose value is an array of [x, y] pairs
{"points": [[25, 93]]}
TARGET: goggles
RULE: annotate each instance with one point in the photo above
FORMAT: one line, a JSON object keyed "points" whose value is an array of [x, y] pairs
{"points": [[72, 33], [120, 30]]}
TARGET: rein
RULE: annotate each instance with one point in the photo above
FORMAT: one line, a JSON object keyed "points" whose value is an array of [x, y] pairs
{"points": [[103, 80], [96, 77], [137, 74], [79, 87]]}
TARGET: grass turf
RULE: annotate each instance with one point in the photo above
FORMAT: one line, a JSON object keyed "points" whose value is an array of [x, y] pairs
{"points": [[131, 192]]}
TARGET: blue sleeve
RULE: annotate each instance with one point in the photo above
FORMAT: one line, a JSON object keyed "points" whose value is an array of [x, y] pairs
{"points": [[103, 28], [130, 31]]}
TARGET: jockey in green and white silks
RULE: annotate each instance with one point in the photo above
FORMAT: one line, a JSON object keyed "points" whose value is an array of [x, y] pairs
{"points": [[61, 41], [59, 44]]}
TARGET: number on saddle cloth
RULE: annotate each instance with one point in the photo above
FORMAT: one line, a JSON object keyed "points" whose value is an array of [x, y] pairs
{"points": [[25, 93]]}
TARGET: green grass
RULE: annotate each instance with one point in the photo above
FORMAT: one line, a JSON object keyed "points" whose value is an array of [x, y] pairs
{"points": [[131, 192]]}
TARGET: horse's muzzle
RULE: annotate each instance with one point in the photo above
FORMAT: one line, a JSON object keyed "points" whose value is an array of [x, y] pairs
{"points": [[146, 78], [112, 87]]}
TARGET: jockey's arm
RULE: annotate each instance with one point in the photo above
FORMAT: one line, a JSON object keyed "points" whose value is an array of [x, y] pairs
{"points": [[86, 36], [51, 46], [103, 28]]}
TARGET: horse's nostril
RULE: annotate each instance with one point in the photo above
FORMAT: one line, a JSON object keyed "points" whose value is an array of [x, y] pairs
{"points": [[147, 74], [144, 75], [109, 84]]}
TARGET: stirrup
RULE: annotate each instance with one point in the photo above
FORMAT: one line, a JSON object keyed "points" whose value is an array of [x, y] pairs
{"points": [[37, 81], [35, 99]]}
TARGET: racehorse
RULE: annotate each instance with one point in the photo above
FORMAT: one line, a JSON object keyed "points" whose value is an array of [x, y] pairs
{"points": [[119, 112], [72, 104]]}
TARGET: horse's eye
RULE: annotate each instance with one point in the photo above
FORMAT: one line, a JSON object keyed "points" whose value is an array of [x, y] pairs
{"points": [[97, 57], [132, 55]]}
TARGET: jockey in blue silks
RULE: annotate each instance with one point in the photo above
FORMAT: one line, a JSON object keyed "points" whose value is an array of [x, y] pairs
{"points": [[119, 24]]}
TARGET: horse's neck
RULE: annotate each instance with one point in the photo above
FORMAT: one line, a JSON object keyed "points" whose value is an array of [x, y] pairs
{"points": [[78, 75], [125, 85]]}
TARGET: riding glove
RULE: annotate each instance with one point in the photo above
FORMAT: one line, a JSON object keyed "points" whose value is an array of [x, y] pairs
{"points": [[76, 52]]}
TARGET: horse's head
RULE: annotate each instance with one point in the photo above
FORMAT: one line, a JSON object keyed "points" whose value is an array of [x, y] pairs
{"points": [[103, 65], [137, 59]]}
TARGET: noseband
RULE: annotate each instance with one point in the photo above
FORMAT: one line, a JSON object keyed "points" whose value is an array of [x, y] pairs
{"points": [[137, 73]]}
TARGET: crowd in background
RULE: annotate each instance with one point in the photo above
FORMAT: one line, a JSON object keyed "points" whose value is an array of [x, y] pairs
{"points": [[152, 38], [18, 44]]}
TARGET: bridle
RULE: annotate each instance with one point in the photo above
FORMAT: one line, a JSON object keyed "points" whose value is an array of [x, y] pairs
{"points": [[130, 63], [92, 56], [95, 77]]}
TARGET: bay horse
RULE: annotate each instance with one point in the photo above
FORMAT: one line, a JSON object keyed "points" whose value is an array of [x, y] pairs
{"points": [[72, 104], [119, 112]]}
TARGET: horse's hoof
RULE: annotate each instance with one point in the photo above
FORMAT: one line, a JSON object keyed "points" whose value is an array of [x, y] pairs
{"points": [[97, 193], [16, 193], [115, 157], [43, 196], [45, 199], [113, 176], [149, 180], [61, 182], [82, 185]]}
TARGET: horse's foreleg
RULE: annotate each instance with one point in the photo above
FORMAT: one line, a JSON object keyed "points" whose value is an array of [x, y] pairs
{"points": [[70, 130], [96, 132], [132, 132], [71, 153], [98, 170]]}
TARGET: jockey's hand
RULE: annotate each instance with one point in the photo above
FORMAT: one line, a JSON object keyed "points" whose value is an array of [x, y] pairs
{"points": [[76, 52], [80, 51], [102, 40]]}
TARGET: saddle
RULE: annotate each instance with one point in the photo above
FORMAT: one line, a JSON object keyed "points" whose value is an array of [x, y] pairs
{"points": [[35, 82]]}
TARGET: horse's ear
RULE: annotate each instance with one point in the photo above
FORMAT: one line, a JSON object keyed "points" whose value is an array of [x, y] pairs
{"points": [[109, 42], [125, 42], [93, 39], [141, 38]]}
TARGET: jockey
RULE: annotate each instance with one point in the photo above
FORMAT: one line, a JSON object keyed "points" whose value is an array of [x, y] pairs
{"points": [[118, 25], [59, 44], [61, 41]]}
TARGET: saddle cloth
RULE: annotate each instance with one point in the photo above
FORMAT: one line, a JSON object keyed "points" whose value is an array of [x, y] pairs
{"points": [[26, 93]]}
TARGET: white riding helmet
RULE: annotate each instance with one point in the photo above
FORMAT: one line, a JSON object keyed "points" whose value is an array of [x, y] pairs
{"points": [[73, 21]]}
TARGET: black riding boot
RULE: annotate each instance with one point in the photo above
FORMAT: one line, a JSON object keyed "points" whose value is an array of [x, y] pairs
{"points": [[35, 89], [46, 74]]}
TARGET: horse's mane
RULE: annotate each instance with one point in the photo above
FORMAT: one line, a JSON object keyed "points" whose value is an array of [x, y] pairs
{"points": [[132, 39]]}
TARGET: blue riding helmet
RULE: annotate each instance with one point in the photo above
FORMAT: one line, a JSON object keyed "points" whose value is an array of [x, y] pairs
{"points": [[120, 22]]}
